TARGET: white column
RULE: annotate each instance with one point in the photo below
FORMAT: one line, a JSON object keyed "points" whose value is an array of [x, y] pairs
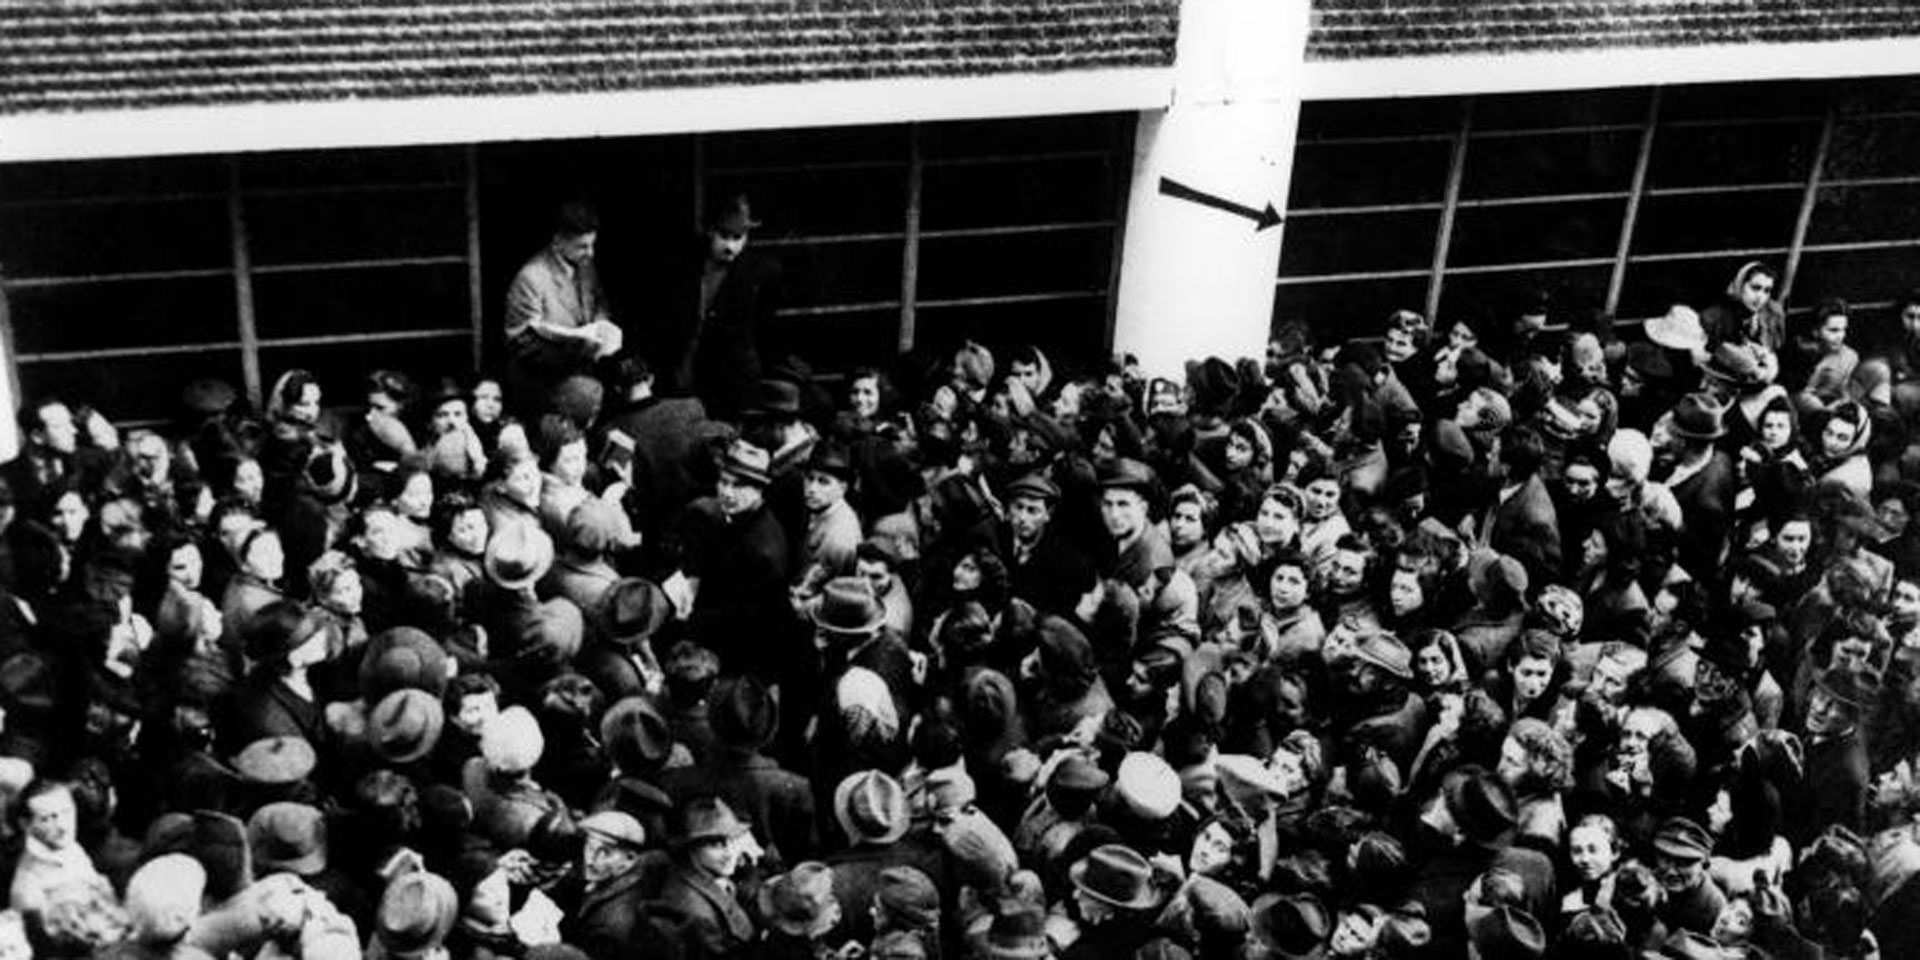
{"points": [[1196, 281]]}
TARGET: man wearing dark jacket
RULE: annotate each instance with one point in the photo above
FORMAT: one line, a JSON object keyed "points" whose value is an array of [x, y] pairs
{"points": [[732, 563], [720, 307], [776, 803]]}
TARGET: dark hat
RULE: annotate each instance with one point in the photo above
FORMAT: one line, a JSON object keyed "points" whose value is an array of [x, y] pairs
{"points": [[1749, 612], [1214, 385], [1078, 774], [1293, 926], [742, 713], [417, 911], [1682, 839], [577, 397], [1033, 486], [706, 819], [275, 761], [745, 462], [219, 842], [1386, 651], [550, 634], [402, 658], [1161, 948], [1690, 945], [1858, 689], [1650, 362], [689, 662], [1018, 932], [278, 629], [631, 611], [405, 725], [27, 683], [1117, 876], [848, 608], [1497, 577], [908, 893], [599, 526], [777, 396], [518, 555], [733, 214], [1127, 474], [634, 735], [831, 459], [1508, 933], [619, 827], [1699, 416], [1481, 804], [872, 808], [208, 396], [289, 838], [799, 903]]}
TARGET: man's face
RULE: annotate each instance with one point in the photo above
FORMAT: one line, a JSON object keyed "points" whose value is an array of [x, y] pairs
{"points": [[823, 490], [1591, 851], [1678, 875], [57, 429], [70, 516], [449, 417], [876, 574], [724, 245], [736, 496], [576, 250], [604, 859], [1399, 345], [1028, 518], [151, 458], [1910, 319], [1404, 593], [1028, 374], [1346, 572], [1906, 601], [719, 858], [1124, 512], [383, 539], [1827, 715], [1531, 676], [476, 709], [1637, 733], [1583, 481], [1184, 526], [51, 818], [468, 532], [185, 566]]}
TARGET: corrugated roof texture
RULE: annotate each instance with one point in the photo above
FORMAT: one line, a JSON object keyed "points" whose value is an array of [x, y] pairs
{"points": [[1345, 29], [89, 54]]}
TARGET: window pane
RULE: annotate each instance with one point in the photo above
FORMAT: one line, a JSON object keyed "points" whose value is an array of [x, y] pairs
{"points": [[838, 342], [953, 267], [1559, 163], [1742, 153], [1675, 224], [822, 202], [1394, 117], [1499, 296], [1651, 288], [1337, 310], [1036, 191], [1746, 99], [1560, 109], [132, 388], [316, 303], [1070, 331], [313, 168], [1106, 132], [829, 273], [800, 147], [1860, 276], [1359, 242], [1359, 174], [80, 239], [113, 178], [1873, 148], [98, 316], [1879, 94], [356, 225], [1843, 214], [1525, 233]]}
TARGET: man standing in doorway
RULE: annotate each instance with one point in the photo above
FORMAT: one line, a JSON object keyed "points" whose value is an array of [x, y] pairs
{"points": [[714, 344], [557, 322]]}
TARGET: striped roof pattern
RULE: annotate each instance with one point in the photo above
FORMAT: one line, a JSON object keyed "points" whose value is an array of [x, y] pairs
{"points": [[1350, 29], [68, 55]]}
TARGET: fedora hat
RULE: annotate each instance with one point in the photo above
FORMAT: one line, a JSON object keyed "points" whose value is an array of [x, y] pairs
{"points": [[518, 556], [1699, 417], [733, 214], [1018, 932], [1858, 689], [742, 713], [1116, 875], [632, 611], [416, 913], [401, 658], [1386, 651], [848, 608], [405, 725], [1480, 803], [777, 396], [635, 735], [831, 459], [275, 761], [619, 827], [1678, 329], [1508, 933], [871, 807], [288, 837], [1293, 926], [1125, 473], [278, 629], [705, 820], [743, 461], [598, 526], [799, 903]]}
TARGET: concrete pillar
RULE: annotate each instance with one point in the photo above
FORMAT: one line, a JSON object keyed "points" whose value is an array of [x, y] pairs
{"points": [[1195, 280]]}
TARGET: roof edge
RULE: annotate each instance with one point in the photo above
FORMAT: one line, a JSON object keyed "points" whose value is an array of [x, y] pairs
{"points": [[1608, 67], [250, 128]]}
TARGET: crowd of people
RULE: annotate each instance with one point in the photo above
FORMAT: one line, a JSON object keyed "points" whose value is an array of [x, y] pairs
{"points": [[1494, 640]]}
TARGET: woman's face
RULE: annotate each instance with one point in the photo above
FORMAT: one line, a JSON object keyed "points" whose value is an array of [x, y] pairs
{"points": [[1591, 851], [1288, 588], [863, 396], [70, 516], [523, 482], [1514, 762], [307, 408], [1323, 499], [1757, 290], [1212, 850], [570, 462], [266, 560], [348, 593], [1432, 665], [1404, 593], [1184, 525], [1837, 436], [468, 532], [1893, 514], [1793, 541], [1531, 676], [185, 567], [1461, 337], [1735, 923], [966, 575], [1833, 332], [1239, 452], [488, 401], [416, 498], [476, 711], [1275, 522], [1776, 428]]}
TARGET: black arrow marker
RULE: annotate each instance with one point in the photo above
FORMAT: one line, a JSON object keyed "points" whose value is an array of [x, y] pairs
{"points": [[1262, 219]]}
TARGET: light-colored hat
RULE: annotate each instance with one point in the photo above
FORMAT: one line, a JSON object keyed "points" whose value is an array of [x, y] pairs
{"points": [[163, 897], [1678, 329], [518, 555], [512, 742], [1148, 786]]}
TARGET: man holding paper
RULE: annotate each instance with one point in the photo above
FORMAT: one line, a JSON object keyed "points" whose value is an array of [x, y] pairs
{"points": [[557, 323]]}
